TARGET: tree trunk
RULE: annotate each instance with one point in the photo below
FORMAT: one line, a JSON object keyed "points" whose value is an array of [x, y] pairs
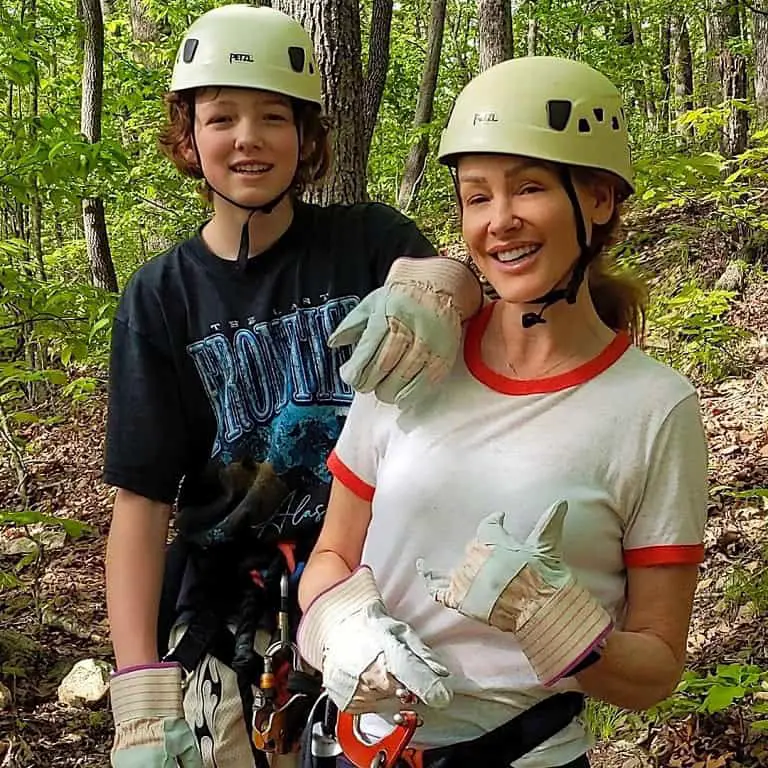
{"points": [[666, 70], [414, 165], [734, 73], [36, 203], [94, 223], [760, 35], [533, 29], [732, 70], [335, 28], [711, 90], [494, 19], [645, 85], [683, 67], [376, 74], [143, 26]]}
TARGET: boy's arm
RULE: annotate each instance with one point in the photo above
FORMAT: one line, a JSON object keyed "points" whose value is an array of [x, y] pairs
{"points": [[134, 574]]}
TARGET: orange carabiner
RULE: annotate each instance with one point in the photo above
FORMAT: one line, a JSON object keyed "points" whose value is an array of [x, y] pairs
{"points": [[375, 754]]}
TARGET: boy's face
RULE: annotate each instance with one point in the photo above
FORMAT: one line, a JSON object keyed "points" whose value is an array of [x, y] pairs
{"points": [[247, 142]]}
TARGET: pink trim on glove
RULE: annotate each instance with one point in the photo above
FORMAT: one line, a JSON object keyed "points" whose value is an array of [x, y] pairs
{"points": [[598, 644], [137, 667]]}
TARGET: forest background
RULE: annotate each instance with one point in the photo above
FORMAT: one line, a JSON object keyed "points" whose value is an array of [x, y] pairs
{"points": [[86, 198]]}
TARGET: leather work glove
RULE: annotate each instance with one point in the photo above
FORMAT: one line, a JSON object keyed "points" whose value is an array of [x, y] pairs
{"points": [[365, 655], [527, 589], [150, 730], [407, 333]]}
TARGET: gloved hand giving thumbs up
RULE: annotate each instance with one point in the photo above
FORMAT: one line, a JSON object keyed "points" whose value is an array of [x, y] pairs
{"points": [[525, 588]]}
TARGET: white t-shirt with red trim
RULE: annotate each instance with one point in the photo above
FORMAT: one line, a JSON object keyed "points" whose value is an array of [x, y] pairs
{"points": [[620, 438]]}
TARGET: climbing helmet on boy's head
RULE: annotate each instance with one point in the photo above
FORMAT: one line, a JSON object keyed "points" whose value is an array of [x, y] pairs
{"points": [[245, 46]]}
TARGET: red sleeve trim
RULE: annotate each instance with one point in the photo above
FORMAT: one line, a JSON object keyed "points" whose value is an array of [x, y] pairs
{"points": [[349, 479], [671, 554]]}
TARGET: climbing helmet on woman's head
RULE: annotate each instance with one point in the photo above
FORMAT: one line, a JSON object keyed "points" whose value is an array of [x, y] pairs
{"points": [[543, 107]]}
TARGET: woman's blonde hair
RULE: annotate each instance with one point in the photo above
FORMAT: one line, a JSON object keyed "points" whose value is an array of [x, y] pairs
{"points": [[620, 296]]}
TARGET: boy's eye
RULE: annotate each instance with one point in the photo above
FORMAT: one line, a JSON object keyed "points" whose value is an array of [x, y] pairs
{"points": [[276, 116]]}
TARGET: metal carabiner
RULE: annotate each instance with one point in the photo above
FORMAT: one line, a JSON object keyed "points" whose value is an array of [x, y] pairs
{"points": [[383, 753]]}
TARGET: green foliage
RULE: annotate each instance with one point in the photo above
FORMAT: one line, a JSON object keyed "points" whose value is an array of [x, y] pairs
{"points": [[716, 691], [749, 586], [53, 332], [688, 332], [73, 528], [28, 570], [670, 179], [605, 721]]}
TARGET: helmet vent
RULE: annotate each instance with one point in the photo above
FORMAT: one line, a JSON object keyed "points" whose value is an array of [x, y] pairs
{"points": [[615, 123], [297, 57], [190, 47], [558, 113], [599, 114], [584, 126]]}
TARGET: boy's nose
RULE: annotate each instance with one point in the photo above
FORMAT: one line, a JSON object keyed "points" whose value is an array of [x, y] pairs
{"points": [[249, 135]]}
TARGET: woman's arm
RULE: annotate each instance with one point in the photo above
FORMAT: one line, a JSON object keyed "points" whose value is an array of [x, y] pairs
{"points": [[340, 545], [641, 664], [135, 560]]}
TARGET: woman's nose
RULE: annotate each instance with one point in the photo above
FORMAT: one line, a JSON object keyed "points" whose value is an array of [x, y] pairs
{"points": [[504, 219]]}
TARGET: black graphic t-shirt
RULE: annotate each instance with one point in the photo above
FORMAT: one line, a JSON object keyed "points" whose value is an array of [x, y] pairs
{"points": [[216, 372]]}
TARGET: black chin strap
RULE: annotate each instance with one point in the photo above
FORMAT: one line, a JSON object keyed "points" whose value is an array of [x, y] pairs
{"points": [[579, 269], [245, 238]]}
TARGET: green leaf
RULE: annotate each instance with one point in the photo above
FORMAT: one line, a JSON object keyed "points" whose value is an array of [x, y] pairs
{"points": [[25, 417], [59, 378], [9, 580], [721, 697]]}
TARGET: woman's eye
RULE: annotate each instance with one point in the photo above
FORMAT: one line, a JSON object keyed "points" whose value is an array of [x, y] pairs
{"points": [[218, 119], [527, 189], [476, 200]]}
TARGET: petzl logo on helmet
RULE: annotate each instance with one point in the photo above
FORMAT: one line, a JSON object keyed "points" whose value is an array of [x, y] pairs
{"points": [[240, 57], [484, 117]]}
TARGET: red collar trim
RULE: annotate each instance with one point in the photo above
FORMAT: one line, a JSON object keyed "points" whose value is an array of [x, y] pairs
{"points": [[509, 386]]}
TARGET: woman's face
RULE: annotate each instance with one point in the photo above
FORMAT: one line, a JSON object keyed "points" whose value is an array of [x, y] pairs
{"points": [[247, 143], [519, 224]]}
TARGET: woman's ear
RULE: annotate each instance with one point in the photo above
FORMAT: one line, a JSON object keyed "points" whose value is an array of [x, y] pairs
{"points": [[602, 201]]}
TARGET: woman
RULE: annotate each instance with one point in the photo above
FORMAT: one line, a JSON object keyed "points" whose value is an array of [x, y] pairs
{"points": [[536, 527]]}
